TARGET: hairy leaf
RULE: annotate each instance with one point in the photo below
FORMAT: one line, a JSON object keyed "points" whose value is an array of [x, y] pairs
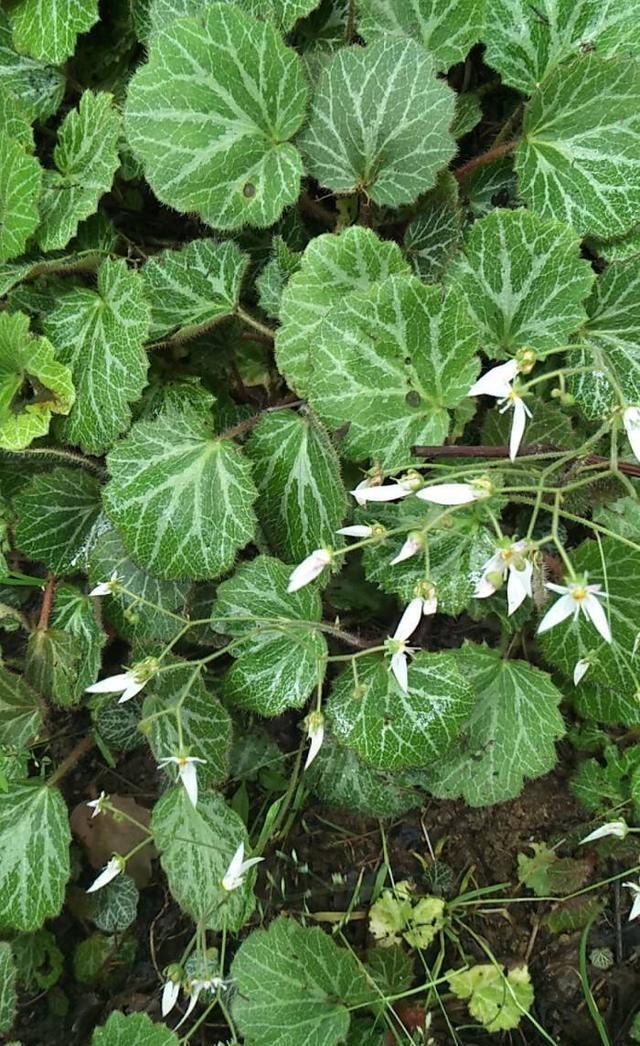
{"points": [[338, 777], [56, 513], [20, 181], [39, 87], [47, 29], [134, 1029], [448, 29]]}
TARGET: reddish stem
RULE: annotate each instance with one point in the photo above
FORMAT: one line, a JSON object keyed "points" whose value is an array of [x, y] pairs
{"points": [[47, 603], [495, 153]]}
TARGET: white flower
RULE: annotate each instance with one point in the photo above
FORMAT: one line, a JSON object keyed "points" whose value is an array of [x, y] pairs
{"points": [[360, 490], [580, 668], [170, 993], [358, 530], [631, 421], [405, 486], [618, 828], [635, 907], [128, 683], [397, 644], [187, 772], [315, 732], [107, 588], [213, 984], [577, 596], [496, 382], [413, 545], [97, 805], [238, 868], [507, 560], [520, 414], [113, 868], [455, 493], [309, 569]]}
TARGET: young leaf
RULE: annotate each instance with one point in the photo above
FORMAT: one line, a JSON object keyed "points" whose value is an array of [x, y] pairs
{"points": [[34, 854], [389, 729], [33, 385], [47, 29], [496, 999], [523, 280], [525, 41], [302, 500], [20, 712], [380, 123], [39, 87], [389, 363], [205, 725], [448, 29], [20, 181], [180, 499], [196, 846], [579, 161], [273, 279], [116, 905], [99, 335], [214, 135], [134, 1029], [8, 995], [434, 235], [331, 268], [282, 657], [86, 159], [191, 289], [510, 734], [56, 512], [295, 985]]}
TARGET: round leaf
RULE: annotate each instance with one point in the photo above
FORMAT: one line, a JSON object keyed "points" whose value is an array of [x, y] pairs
{"points": [[135, 1029], [448, 29]]}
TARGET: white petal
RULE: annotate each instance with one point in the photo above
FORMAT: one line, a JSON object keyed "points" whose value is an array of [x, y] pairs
{"points": [[387, 492], [249, 863], [560, 589], [189, 777], [109, 872], [316, 744], [429, 606], [519, 586], [449, 494], [518, 424], [358, 530], [635, 907], [309, 569], [399, 669], [409, 620], [580, 669], [484, 589], [131, 691], [170, 994], [594, 611], [409, 549], [560, 611], [190, 1008], [103, 589], [631, 420], [234, 870], [496, 382], [112, 685], [617, 828], [360, 491]]}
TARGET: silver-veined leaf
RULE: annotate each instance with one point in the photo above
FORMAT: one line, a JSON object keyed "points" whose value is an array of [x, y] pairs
{"points": [[133, 1029], [39, 87], [55, 517], [448, 29], [283, 13], [432, 238], [20, 712], [52, 666], [77, 615], [47, 29], [8, 994], [20, 182]]}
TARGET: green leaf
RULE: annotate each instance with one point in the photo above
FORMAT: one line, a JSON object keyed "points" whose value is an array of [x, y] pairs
{"points": [[47, 29], [525, 41], [602, 703], [379, 123], [389, 729], [273, 279], [14, 119], [56, 513], [281, 658], [33, 385], [8, 996], [434, 235], [86, 159], [206, 726], [214, 136], [196, 847], [448, 29], [547, 874], [496, 999], [338, 777], [146, 610], [191, 289], [99, 335], [295, 986], [302, 500], [331, 268], [180, 499], [135, 1029], [283, 13], [20, 181], [523, 280], [116, 905], [39, 87], [20, 712], [52, 666], [93, 957], [510, 734], [389, 363], [39, 961], [578, 161], [77, 615], [34, 854]]}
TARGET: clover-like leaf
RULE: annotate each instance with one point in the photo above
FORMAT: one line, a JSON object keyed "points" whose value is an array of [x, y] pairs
{"points": [[133, 1029], [99, 335], [180, 498], [389, 729], [379, 123], [524, 42], [86, 159], [34, 854], [196, 846], [55, 517], [523, 280], [579, 159], [20, 181], [302, 499], [20, 712], [295, 985], [281, 658], [510, 734], [214, 135], [389, 364], [331, 268], [33, 384], [8, 994], [448, 29], [39, 87], [496, 999]]}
